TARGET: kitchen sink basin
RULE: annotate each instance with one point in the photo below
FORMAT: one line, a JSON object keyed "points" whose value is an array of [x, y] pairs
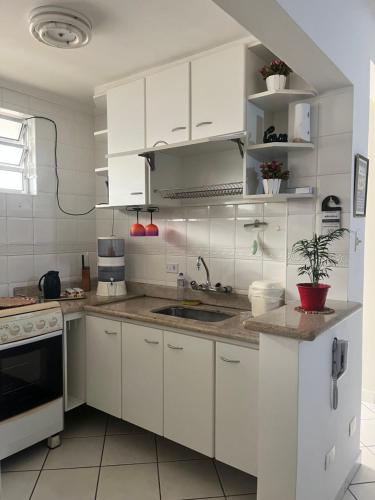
{"points": [[189, 313]]}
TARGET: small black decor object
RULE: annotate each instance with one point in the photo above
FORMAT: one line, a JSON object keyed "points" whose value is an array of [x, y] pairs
{"points": [[270, 136]]}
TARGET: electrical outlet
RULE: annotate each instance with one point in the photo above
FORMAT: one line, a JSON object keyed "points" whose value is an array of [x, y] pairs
{"points": [[172, 268], [352, 426], [330, 458]]}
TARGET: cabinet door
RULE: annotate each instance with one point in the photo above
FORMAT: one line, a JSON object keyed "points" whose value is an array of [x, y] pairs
{"points": [[167, 106], [103, 364], [236, 406], [126, 117], [127, 180], [189, 391], [218, 93], [142, 376]]}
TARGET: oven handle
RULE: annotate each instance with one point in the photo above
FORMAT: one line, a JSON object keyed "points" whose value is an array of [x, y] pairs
{"points": [[38, 338]]}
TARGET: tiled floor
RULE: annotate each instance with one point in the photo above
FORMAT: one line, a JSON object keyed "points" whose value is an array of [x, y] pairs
{"points": [[104, 458]]}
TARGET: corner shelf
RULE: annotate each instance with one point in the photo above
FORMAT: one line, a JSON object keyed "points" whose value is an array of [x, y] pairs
{"points": [[277, 198], [103, 171], [271, 149], [277, 100]]}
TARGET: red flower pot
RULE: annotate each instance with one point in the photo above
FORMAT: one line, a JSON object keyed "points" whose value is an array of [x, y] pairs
{"points": [[313, 298]]}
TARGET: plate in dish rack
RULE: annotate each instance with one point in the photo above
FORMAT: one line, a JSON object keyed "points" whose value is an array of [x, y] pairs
{"points": [[7, 302]]}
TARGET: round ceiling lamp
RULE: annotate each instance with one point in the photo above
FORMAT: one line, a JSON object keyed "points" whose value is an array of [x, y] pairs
{"points": [[60, 27]]}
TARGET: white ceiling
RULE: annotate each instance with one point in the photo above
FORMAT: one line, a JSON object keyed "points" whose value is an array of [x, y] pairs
{"points": [[128, 36]]}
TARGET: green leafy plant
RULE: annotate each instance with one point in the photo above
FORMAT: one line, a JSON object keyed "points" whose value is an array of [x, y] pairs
{"points": [[319, 260], [276, 67]]}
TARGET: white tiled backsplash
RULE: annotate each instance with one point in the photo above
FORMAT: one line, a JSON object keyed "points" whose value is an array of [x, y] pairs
{"points": [[35, 236]]}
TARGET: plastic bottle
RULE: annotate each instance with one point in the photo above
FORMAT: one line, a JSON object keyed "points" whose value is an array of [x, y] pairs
{"points": [[180, 286]]}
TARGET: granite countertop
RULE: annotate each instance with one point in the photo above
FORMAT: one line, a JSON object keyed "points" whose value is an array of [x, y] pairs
{"points": [[140, 309], [287, 322], [91, 299]]}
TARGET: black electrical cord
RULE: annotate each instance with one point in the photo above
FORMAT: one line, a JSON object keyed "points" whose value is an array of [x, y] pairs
{"points": [[56, 171]]}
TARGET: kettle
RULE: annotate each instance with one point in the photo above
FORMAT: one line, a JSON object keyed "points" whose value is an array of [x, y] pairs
{"points": [[51, 285]]}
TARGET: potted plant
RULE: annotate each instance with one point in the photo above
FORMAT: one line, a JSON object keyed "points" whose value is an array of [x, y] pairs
{"points": [[275, 74], [272, 175], [319, 262]]}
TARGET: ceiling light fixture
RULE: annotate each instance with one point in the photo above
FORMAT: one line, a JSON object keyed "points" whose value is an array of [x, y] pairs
{"points": [[60, 27]]}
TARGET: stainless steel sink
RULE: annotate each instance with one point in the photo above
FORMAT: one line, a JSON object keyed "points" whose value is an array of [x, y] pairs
{"points": [[189, 313]]}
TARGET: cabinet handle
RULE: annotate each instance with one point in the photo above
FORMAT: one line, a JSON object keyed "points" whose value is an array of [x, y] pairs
{"points": [[229, 360], [110, 333], [201, 124], [151, 341], [136, 192], [175, 129], [176, 347], [160, 142]]}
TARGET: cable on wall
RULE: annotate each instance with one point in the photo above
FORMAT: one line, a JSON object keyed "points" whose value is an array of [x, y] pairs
{"points": [[56, 170]]}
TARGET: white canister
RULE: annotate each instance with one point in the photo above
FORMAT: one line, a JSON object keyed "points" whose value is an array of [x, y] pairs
{"points": [[265, 295], [301, 129], [276, 82]]}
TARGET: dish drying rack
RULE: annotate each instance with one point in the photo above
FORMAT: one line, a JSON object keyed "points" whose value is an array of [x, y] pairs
{"points": [[211, 191]]}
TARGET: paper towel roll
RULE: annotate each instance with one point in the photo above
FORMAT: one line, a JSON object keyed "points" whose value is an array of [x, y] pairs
{"points": [[302, 122]]}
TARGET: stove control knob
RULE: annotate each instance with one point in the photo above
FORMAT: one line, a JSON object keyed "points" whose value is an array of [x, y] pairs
{"points": [[4, 338], [40, 324], [14, 329], [27, 327], [52, 321]]}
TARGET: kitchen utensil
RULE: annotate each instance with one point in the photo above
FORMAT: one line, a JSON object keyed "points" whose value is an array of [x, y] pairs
{"points": [[51, 285]]}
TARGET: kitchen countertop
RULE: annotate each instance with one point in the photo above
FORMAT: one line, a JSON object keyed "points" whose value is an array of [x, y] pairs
{"points": [[91, 299], [140, 309], [287, 322]]}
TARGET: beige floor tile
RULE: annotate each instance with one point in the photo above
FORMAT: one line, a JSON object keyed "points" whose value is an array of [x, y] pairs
{"points": [[118, 426], [29, 459], [84, 422], [368, 432], [76, 452], [188, 479], [67, 484], [366, 413], [129, 482], [129, 449], [364, 491], [18, 485], [366, 472], [168, 451], [234, 481]]}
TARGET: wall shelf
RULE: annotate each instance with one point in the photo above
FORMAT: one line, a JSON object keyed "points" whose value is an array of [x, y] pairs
{"points": [[273, 149], [277, 100], [103, 171], [276, 198]]}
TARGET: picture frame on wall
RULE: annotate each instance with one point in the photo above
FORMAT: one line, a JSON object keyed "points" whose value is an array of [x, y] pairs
{"points": [[361, 165]]}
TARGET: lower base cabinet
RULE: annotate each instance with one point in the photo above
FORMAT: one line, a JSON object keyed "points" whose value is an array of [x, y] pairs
{"points": [[103, 364], [189, 391], [236, 407], [142, 376]]}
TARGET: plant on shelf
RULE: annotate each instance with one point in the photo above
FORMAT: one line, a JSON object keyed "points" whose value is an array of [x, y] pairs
{"points": [[319, 261], [272, 175], [275, 74]]}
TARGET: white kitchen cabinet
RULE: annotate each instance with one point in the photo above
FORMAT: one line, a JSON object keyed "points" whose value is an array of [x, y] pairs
{"points": [[189, 391], [103, 364], [168, 106], [126, 117], [127, 180], [218, 93], [236, 411], [142, 376]]}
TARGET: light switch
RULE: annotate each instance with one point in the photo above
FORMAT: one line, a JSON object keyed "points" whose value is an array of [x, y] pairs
{"points": [[172, 268]]}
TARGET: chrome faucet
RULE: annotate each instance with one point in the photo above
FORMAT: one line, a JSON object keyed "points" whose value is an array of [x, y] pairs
{"points": [[208, 287]]}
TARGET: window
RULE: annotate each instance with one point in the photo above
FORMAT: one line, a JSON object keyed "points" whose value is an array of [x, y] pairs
{"points": [[14, 154]]}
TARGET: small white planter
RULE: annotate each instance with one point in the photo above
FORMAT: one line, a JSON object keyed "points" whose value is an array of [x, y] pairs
{"points": [[271, 186], [276, 82]]}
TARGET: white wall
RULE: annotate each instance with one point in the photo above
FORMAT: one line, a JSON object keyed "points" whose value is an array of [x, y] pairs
{"points": [[34, 235]]}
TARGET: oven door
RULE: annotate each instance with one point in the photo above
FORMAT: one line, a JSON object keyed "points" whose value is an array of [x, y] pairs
{"points": [[31, 373]]}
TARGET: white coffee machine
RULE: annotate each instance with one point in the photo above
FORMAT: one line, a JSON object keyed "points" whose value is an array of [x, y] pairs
{"points": [[111, 266]]}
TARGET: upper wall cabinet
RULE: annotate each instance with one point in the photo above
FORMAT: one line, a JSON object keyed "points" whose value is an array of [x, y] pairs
{"points": [[218, 93], [126, 117], [167, 105]]}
